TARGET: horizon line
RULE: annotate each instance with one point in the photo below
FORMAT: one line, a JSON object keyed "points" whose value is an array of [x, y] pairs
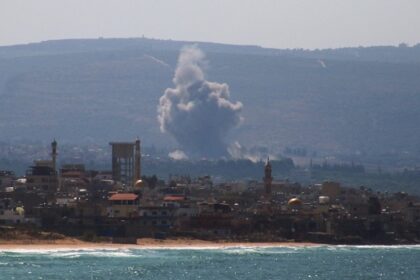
{"points": [[208, 42]]}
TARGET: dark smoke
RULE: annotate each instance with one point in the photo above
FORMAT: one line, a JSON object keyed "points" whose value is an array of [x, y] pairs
{"points": [[197, 113]]}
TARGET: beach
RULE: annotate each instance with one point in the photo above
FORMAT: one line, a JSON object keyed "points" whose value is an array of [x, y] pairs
{"points": [[142, 243]]}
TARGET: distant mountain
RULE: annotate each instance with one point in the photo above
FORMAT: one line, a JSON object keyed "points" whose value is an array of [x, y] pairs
{"points": [[352, 100]]}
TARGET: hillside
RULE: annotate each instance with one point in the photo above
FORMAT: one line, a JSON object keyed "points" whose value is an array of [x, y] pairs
{"points": [[354, 100]]}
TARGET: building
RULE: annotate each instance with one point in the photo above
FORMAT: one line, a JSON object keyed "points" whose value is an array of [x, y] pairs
{"points": [[123, 205], [331, 189], [268, 179], [6, 179], [12, 216], [73, 178], [126, 162], [157, 217], [54, 155], [42, 177]]}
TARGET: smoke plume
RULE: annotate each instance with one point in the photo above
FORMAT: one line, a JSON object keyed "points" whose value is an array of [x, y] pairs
{"points": [[196, 112], [178, 155]]}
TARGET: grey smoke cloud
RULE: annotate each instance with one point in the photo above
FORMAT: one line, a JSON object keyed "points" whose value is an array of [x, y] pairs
{"points": [[196, 112]]}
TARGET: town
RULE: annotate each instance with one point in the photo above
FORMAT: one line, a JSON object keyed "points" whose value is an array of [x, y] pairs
{"points": [[123, 205]]}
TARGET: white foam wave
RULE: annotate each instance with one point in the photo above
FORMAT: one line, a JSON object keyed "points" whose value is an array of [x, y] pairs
{"points": [[100, 253], [266, 250], [416, 247], [73, 253], [149, 251]]}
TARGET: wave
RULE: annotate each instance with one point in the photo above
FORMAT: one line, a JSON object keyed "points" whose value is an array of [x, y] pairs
{"points": [[71, 253], [262, 251], [415, 247], [151, 252]]}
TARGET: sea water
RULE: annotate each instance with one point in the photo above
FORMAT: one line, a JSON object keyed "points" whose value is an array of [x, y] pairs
{"points": [[323, 262]]}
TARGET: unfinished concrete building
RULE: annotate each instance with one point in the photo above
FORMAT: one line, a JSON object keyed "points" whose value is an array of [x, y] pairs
{"points": [[126, 158]]}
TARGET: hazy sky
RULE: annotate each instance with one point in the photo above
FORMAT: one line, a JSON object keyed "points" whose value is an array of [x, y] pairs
{"points": [[269, 23]]}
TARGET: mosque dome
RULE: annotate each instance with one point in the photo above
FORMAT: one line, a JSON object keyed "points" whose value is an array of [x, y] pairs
{"points": [[138, 184], [294, 202]]}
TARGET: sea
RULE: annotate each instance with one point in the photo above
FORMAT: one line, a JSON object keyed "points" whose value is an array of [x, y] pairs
{"points": [[320, 262]]}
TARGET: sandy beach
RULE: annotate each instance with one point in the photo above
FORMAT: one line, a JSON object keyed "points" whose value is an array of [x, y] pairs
{"points": [[143, 243]]}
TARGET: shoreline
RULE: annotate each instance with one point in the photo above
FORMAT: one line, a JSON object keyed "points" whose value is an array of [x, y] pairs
{"points": [[70, 244], [142, 243]]}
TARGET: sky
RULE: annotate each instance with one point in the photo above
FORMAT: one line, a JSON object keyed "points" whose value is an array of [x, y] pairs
{"points": [[308, 24]]}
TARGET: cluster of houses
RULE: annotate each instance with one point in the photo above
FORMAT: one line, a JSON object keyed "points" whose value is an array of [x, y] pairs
{"points": [[94, 204]]}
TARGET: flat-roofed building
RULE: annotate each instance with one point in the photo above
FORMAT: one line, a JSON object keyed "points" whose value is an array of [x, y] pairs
{"points": [[42, 178], [6, 179], [123, 205]]}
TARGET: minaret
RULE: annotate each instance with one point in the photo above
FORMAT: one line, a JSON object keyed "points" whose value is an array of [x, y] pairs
{"points": [[267, 177], [54, 154], [137, 161]]}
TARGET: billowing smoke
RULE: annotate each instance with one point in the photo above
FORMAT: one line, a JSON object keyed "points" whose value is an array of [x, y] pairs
{"points": [[254, 154], [178, 155], [198, 113]]}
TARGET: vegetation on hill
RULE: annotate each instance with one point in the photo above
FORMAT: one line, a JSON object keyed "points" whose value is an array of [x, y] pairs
{"points": [[345, 100]]}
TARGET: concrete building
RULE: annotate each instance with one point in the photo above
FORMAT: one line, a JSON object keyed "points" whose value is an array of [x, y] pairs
{"points": [[331, 189], [126, 162], [123, 205], [157, 216], [43, 176], [42, 179], [73, 178], [12, 216], [6, 179]]}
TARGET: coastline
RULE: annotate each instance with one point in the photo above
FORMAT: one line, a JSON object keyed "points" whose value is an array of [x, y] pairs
{"points": [[142, 243]]}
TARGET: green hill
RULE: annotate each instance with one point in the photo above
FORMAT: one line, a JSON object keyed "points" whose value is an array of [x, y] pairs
{"points": [[354, 100]]}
